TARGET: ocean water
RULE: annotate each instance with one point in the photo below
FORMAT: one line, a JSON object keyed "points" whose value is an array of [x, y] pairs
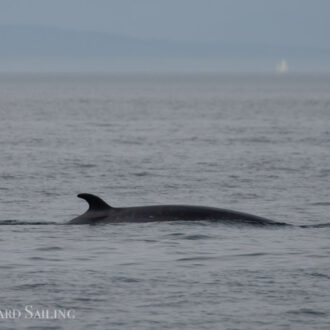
{"points": [[253, 143]]}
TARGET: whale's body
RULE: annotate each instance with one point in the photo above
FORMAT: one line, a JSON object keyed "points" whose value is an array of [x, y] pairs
{"points": [[100, 212]]}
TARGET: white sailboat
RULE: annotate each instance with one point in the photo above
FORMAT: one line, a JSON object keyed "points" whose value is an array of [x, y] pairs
{"points": [[282, 67]]}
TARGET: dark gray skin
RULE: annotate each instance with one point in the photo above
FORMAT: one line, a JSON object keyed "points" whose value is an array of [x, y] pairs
{"points": [[100, 212]]}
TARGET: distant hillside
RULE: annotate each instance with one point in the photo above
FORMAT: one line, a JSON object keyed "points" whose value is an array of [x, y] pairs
{"points": [[27, 41]]}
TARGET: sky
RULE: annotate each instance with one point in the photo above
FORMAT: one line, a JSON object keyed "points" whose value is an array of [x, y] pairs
{"points": [[276, 22]]}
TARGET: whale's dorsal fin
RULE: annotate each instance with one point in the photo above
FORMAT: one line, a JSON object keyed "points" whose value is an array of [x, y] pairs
{"points": [[95, 203]]}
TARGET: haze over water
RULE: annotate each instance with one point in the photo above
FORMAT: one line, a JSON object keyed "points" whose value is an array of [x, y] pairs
{"points": [[253, 143]]}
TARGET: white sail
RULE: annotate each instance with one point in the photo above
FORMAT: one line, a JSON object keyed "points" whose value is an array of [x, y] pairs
{"points": [[282, 67]]}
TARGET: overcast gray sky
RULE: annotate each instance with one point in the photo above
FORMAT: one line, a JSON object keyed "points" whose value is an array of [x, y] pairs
{"points": [[278, 22]]}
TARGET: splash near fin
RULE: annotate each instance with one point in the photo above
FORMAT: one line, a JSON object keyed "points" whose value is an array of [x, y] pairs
{"points": [[95, 203]]}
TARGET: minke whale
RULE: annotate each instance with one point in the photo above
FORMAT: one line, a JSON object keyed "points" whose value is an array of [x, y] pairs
{"points": [[100, 212]]}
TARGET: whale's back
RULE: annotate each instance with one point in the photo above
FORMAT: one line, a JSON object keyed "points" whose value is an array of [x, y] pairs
{"points": [[100, 212], [187, 213]]}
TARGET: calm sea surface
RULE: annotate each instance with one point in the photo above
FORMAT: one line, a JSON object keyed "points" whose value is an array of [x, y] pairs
{"points": [[258, 144]]}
